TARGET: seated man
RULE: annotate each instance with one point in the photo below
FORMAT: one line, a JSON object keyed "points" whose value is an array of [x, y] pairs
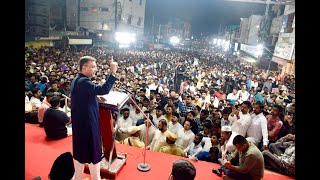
{"points": [[134, 139], [251, 163], [182, 170], [195, 147], [171, 148], [44, 106], [55, 121], [275, 159], [211, 156]]}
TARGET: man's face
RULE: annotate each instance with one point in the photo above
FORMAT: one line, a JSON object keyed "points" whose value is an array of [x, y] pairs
{"points": [[275, 111], [197, 140], [213, 155], [190, 116], [174, 119], [214, 140], [244, 108], [206, 130], [224, 135], [256, 109], [160, 126], [241, 148], [169, 110], [188, 100], [159, 113], [187, 125], [90, 68], [125, 114]]}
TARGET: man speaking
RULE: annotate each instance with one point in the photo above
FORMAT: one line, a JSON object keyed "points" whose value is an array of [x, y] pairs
{"points": [[86, 137]]}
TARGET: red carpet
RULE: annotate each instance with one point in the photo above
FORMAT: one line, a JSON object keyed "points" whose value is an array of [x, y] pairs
{"points": [[41, 153]]}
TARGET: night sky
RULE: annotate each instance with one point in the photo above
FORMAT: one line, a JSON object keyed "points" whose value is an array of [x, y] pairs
{"points": [[205, 15]]}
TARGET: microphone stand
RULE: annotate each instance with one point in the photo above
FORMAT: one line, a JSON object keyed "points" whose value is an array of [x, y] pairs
{"points": [[142, 166], [65, 103]]}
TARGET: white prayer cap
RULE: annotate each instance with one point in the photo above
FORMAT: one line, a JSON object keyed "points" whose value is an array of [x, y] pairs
{"points": [[133, 129], [226, 128]]}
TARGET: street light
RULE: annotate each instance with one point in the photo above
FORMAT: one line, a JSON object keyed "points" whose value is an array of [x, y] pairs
{"points": [[174, 40]]}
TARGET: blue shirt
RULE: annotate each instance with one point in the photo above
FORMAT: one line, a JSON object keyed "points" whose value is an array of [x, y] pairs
{"points": [[205, 156]]}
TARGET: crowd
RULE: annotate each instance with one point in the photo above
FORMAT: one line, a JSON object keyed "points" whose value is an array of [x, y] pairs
{"points": [[201, 105]]}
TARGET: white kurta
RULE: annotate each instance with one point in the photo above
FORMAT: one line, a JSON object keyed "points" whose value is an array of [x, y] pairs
{"points": [[135, 117], [123, 124], [151, 132], [241, 125], [184, 138], [175, 127], [192, 150], [258, 130], [158, 140]]}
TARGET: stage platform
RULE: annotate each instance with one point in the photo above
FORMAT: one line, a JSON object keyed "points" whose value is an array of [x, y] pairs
{"points": [[40, 154]]}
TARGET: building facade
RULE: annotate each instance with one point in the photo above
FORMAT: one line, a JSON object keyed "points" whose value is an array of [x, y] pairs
{"points": [[284, 52], [105, 17]]}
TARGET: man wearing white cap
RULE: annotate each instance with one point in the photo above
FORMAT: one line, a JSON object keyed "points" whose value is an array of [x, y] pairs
{"points": [[134, 139], [227, 148]]}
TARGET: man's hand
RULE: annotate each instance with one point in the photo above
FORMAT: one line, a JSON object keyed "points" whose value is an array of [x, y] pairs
{"points": [[194, 159], [227, 164], [101, 99], [289, 136], [113, 65], [264, 148]]}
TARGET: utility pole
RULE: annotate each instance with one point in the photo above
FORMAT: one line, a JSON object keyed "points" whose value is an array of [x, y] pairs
{"points": [[152, 33], [159, 33], [115, 15]]}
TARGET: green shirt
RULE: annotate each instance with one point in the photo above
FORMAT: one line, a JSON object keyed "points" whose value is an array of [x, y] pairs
{"points": [[251, 161]]}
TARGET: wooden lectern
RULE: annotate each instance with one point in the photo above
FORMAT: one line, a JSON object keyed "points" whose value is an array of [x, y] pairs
{"points": [[112, 161]]}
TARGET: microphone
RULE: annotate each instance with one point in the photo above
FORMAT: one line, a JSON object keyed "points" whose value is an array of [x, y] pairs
{"points": [[65, 96], [125, 90]]}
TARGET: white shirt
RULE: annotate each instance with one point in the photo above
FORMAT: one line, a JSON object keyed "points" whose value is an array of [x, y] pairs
{"points": [[258, 129], [241, 125], [227, 122], [135, 117], [156, 119], [28, 105], [123, 125], [228, 145], [175, 127], [207, 144], [254, 84], [151, 132], [35, 102], [244, 95], [158, 140], [192, 150], [232, 96], [184, 138]]}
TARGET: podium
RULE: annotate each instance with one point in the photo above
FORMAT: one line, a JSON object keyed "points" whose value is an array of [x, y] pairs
{"points": [[112, 161]]}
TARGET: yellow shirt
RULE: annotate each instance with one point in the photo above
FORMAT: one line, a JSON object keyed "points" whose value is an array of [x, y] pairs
{"points": [[172, 149], [135, 142], [168, 117], [198, 103]]}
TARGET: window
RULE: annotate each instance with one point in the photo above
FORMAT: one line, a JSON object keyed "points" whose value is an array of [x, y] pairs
{"points": [[84, 9], [129, 19], [104, 9], [140, 2], [139, 21], [93, 9]]}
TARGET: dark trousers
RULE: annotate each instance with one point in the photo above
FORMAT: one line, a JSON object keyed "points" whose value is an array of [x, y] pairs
{"points": [[31, 118]]}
